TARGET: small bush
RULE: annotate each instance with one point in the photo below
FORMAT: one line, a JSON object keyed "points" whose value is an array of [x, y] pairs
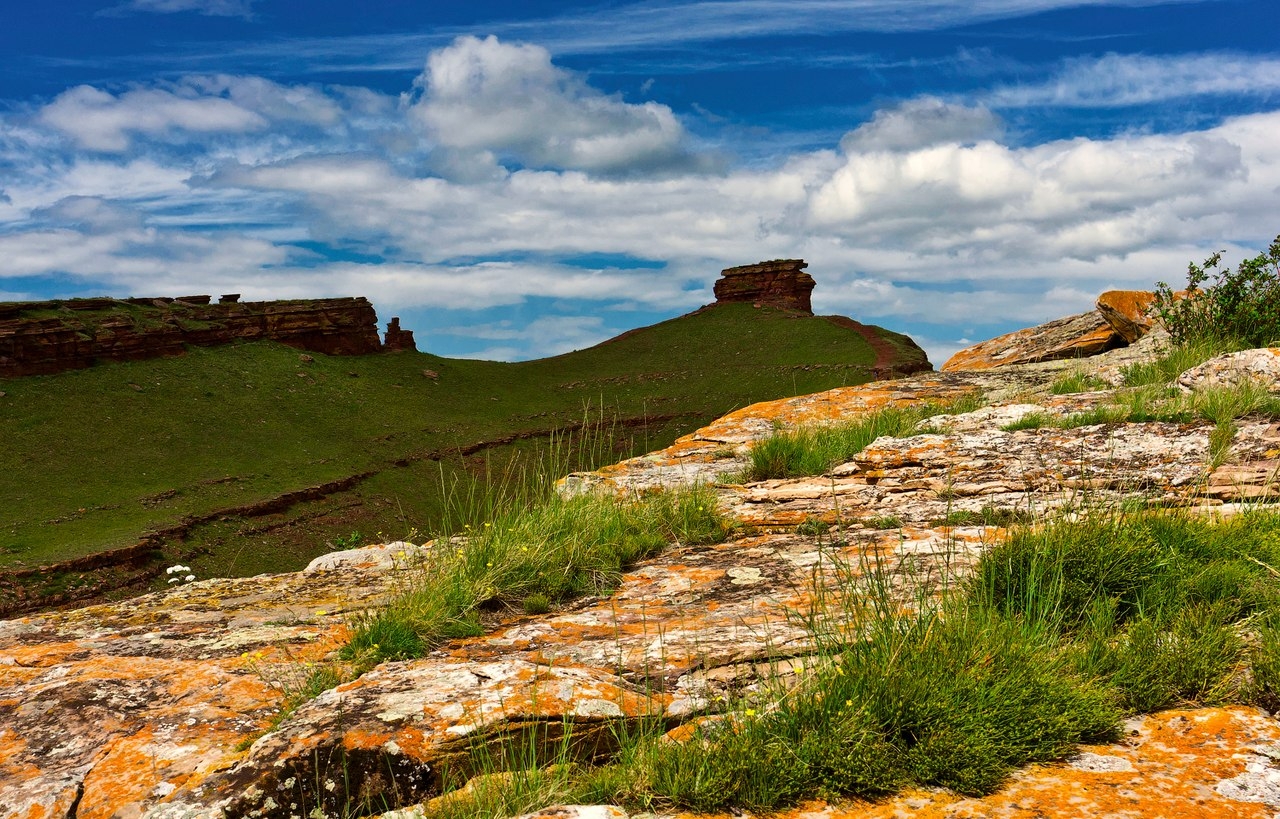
{"points": [[1240, 306]]}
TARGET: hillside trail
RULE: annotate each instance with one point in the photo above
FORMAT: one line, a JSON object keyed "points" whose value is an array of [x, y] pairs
{"points": [[886, 353]]}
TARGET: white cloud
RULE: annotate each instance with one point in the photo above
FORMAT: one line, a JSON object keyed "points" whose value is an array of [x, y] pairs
{"points": [[922, 122], [196, 107], [210, 8], [1079, 198], [101, 121], [1138, 79], [509, 99]]}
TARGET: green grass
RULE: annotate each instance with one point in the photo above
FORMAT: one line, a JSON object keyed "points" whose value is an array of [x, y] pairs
{"points": [[1077, 382], [531, 556], [97, 457], [815, 449], [1061, 632]]}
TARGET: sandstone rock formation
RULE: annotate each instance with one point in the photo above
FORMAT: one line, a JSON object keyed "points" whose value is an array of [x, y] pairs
{"points": [[780, 283], [398, 339], [154, 707], [1130, 312], [1079, 336], [39, 338], [1120, 318]]}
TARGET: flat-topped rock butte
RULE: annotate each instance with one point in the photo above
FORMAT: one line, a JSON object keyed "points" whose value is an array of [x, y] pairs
{"points": [[40, 338], [145, 708]]}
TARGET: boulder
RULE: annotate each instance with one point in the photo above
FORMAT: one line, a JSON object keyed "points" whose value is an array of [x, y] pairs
{"points": [[1078, 336], [1260, 366], [1129, 312]]}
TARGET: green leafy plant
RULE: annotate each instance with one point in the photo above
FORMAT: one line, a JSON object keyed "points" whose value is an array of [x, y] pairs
{"points": [[1240, 306]]}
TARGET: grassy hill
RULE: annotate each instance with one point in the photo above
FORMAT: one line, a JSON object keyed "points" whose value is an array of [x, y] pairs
{"points": [[189, 446]]}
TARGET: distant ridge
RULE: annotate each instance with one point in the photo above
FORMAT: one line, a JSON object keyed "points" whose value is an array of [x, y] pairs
{"points": [[46, 337]]}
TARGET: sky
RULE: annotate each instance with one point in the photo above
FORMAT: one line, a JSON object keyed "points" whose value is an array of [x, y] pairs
{"points": [[520, 179]]}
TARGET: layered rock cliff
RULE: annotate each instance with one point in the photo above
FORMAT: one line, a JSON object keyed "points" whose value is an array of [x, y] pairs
{"points": [[154, 707], [780, 283], [39, 338]]}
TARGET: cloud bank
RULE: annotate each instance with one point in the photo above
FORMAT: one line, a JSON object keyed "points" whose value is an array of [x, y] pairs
{"points": [[499, 178]]}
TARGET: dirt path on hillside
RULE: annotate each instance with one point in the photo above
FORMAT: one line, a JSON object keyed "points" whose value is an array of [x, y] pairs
{"points": [[887, 355]]}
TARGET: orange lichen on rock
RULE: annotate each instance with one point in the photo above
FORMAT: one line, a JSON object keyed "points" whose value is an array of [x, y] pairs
{"points": [[1074, 337], [1129, 312]]}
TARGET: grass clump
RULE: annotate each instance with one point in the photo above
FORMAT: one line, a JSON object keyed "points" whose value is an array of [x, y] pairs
{"points": [[813, 450], [1151, 604], [1061, 632], [1077, 382], [530, 557]]}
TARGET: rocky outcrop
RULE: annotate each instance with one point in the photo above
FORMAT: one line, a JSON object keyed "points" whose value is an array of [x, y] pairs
{"points": [[1130, 312], [397, 338], [1120, 318], [40, 338], [1079, 336], [779, 283], [156, 707]]}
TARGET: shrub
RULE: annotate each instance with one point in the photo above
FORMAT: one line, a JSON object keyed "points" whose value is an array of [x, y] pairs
{"points": [[1240, 306]]}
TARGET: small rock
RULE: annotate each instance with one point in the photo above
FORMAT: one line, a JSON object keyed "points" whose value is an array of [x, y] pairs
{"points": [[306, 359], [136, 387], [432, 374], [1261, 366]]}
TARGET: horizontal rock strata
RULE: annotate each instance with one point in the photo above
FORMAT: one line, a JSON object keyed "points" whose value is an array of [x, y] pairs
{"points": [[39, 338], [781, 283]]}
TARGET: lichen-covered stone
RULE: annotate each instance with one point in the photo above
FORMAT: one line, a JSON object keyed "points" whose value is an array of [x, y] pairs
{"points": [[154, 707], [1073, 337], [1261, 366], [1129, 312]]}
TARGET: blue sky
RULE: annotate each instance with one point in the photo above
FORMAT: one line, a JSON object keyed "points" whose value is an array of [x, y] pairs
{"points": [[516, 180]]}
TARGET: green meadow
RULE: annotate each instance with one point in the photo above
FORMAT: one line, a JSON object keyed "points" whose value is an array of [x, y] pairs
{"points": [[95, 459]]}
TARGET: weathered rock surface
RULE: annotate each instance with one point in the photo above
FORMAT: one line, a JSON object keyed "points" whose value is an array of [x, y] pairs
{"points": [[153, 707], [1079, 336], [39, 338], [1262, 367], [1129, 312], [781, 283]]}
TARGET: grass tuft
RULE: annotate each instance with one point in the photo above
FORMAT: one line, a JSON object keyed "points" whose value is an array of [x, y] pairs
{"points": [[813, 450]]}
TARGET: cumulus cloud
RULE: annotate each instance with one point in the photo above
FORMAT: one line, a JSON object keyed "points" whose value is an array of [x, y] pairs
{"points": [[922, 122], [1078, 198], [509, 99]]}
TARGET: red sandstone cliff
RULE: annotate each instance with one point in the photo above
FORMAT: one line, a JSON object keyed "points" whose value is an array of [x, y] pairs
{"points": [[39, 338], [781, 282]]}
